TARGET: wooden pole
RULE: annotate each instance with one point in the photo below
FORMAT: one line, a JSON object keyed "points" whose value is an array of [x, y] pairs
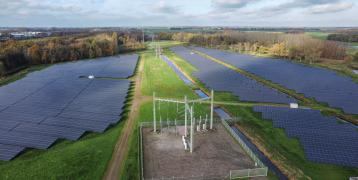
{"points": [[191, 131], [186, 116], [212, 109], [154, 115]]}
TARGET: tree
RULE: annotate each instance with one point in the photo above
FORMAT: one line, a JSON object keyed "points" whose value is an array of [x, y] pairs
{"points": [[34, 54], [355, 57], [114, 43]]}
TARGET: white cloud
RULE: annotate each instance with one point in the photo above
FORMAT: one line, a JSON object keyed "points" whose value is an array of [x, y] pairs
{"points": [[230, 4], [330, 8], [164, 8], [172, 12]]}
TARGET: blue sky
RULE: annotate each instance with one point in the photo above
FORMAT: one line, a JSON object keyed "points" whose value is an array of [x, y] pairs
{"points": [[89, 13]]}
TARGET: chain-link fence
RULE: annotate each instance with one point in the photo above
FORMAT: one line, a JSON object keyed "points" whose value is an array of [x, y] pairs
{"points": [[234, 174]]}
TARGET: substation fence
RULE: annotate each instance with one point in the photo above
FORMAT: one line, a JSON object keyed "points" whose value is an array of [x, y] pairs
{"points": [[246, 173], [262, 170], [191, 178]]}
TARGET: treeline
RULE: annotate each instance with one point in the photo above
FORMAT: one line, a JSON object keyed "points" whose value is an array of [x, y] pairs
{"points": [[344, 37], [15, 55], [294, 46]]}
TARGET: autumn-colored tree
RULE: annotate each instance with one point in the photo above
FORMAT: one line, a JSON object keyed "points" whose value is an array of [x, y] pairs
{"points": [[34, 53], [279, 49], [114, 43]]}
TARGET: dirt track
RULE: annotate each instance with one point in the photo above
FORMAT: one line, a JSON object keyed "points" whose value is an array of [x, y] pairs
{"points": [[122, 145]]}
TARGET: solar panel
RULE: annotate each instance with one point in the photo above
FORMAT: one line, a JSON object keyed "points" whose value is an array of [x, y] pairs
{"points": [[7, 125], [87, 125], [90, 116], [221, 78], [8, 152], [55, 131], [324, 140], [26, 139], [123, 67], [19, 117], [318, 83], [56, 103]]}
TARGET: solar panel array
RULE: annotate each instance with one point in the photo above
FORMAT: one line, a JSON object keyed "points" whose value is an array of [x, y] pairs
{"points": [[324, 139], [55, 103], [221, 78], [322, 84]]}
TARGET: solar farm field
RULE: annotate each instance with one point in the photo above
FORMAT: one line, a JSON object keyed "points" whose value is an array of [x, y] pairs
{"points": [[324, 140], [220, 78], [285, 150], [318, 83], [56, 103]]}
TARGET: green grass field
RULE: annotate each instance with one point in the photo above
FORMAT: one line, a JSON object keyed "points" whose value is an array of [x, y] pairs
{"points": [[287, 151], [164, 44], [318, 35], [158, 77]]}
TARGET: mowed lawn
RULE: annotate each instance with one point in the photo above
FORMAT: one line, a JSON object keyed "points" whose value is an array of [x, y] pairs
{"points": [[287, 151], [83, 159]]}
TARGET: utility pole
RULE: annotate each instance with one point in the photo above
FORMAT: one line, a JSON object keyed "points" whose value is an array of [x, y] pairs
{"points": [[186, 116], [154, 115], [142, 35], [212, 109], [191, 130]]}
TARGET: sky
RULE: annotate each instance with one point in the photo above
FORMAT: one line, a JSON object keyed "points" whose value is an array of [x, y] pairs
{"points": [[113, 13]]}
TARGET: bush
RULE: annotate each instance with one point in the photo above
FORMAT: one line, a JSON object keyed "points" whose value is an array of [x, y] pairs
{"points": [[2, 69], [355, 57]]}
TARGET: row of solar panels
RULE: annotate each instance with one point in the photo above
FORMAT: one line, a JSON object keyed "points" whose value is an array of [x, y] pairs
{"points": [[55, 103], [322, 84], [221, 78], [177, 71], [324, 139]]}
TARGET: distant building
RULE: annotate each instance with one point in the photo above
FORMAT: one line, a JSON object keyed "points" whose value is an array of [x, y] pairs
{"points": [[27, 35]]}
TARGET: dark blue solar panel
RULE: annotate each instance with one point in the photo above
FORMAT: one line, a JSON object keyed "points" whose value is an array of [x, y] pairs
{"points": [[26, 139], [87, 125], [8, 125], [221, 78], [20, 117], [124, 66], [322, 84], [324, 139], [90, 116], [55, 131], [8, 152], [55, 103]]}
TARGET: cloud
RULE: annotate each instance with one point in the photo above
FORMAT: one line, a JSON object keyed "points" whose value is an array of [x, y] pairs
{"points": [[230, 4], [315, 6], [330, 8], [163, 8]]}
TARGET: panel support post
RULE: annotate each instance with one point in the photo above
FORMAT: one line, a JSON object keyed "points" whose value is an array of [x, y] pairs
{"points": [[191, 130], [212, 109], [186, 116], [154, 115]]}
